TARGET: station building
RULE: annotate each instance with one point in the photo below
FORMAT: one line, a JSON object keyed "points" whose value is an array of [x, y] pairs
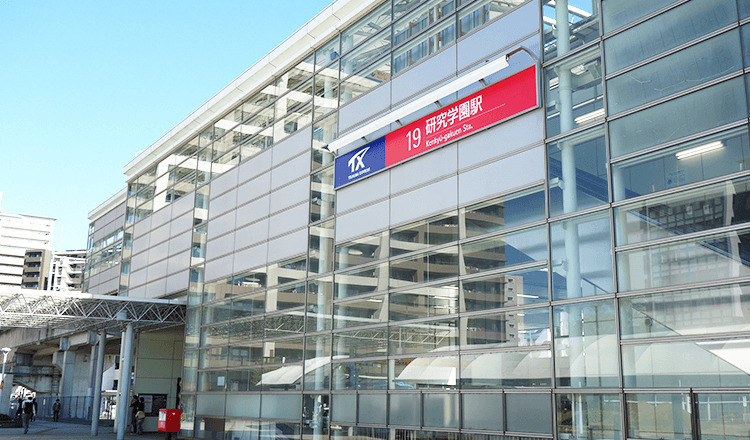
{"points": [[444, 219]]}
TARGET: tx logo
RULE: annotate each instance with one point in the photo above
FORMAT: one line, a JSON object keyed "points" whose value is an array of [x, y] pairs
{"points": [[357, 161]]}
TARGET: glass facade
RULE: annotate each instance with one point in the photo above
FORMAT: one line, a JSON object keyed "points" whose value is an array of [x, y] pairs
{"points": [[605, 298]]}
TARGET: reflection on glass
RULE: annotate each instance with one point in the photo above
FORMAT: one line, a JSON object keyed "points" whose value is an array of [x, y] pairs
{"points": [[508, 289], [568, 24], [287, 297], [424, 45], [686, 312], [189, 370], [376, 20], [577, 172], [319, 306], [424, 302], [285, 324], [424, 233], [664, 416], [617, 13], [581, 256], [713, 257], [424, 268], [324, 131], [506, 250], [521, 328], [248, 329], [366, 53], [362, 250], [723, 416], [315, 416], [425, 372], [322, 195], [215, 357], [365, 80], [356, 313], [424, 337], [481, 12], [366, 375], [589, 416], [361, 281], [293, 269], [503, 212], [317, 362], [704, 158], [713, 363], [574, 90], [506, 369], [585, 345], [361, 343]]}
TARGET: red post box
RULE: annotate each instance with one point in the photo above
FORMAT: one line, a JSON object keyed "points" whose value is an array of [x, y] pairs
{"points": [[169, 420]]}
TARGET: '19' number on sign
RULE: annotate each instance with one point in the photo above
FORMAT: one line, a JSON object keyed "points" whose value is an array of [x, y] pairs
{"points": [[414, 138]]}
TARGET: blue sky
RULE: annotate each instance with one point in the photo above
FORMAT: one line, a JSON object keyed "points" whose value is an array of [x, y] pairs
{"points": [[86, 84]]}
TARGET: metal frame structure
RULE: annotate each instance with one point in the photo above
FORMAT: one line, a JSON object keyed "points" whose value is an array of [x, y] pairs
{"points": [[79, 312]]}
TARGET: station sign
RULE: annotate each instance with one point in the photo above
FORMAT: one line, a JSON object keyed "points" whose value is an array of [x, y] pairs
{"points": [[494, 103]]}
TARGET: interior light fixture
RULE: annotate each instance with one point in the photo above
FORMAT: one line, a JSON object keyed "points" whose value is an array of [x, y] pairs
{"points": [[459, 83], [705, 148], [588, 117]]}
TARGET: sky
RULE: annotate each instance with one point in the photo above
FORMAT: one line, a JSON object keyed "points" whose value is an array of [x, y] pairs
{"points": [[86, 84]]}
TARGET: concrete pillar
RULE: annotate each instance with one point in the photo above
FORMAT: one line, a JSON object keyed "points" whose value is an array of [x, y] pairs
{"points": [[92, 379], [7, 389], [124, 396], [97, 398], [68, 368]]}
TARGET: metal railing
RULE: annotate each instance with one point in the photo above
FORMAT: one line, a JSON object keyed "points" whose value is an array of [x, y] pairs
{"points": [[72, 408]]}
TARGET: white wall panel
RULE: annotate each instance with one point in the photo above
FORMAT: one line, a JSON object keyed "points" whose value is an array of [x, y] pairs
{"points": [[364, 107], [142, 227], [424, 75], [287, 245], [363, 192], [177, 282], [178, 262], [156, 289], [254, 188], [253, 211], [157, 270], [181, 224], [501, 176], [223, 203], [138, 277], [292, 146], [219, 268], [291, 194], [183, 204], [137, 292], [251, 234], [220, 246], [180, 242], [159, 234], [290, 171], [141, 244], [255, 166], [250, 258], [139, 261], [502, 139], [288, 220], [225, 182], [436, 197], [362, 221], [221, 225], [429, 166], [161, 216], [158, 252]]}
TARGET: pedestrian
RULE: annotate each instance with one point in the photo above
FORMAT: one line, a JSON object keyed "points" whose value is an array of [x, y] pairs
{"points": [[56, 411], [28, 413], [141, 415], [133, 411], [33, 400]]}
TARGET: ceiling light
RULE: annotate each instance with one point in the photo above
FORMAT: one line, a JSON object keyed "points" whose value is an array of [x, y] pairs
{"points": [[711, 146], [588, 117]]}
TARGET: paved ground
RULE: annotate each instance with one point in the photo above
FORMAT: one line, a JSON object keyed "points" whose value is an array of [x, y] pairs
{"points": [[47, 430]]}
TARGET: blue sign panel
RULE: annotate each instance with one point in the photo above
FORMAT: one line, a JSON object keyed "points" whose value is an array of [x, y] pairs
{"points": [[360, 163]]}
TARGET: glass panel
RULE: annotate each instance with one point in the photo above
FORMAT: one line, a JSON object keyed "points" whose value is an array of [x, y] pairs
{"points": [[365, 80], [503, 212], [321, 248], [192, 327], [424, 233], [189, 370], [404, 409], [372, 409], [378, 19], [368, 375], [506, 250], [319, 307], [424, 268], [713, 257], [581, 256], [285, 271], [322, 195], [716, 363], [424, 337], [705, 158], [426, 372], [247, 354], [423, 302], [317, 362], [482, 12], [215, 335], [287, 351], [574, 92], [482, 411], [705, 311], [618, 13], [215, 357], [285, 324], [508, 369], [369, 342], [508, 289], [577, 172], [723, 416], [287, 297], [362, 250], [366, 311], [212, 380], [344, 408], [521, 328], [365, 54], [249, 281], [299, 116], [701, 209], [568, 24], [315, 416], [588, 416], [687, 68], [663, 416], [585, 345], [361, 281], [424, 45], [677, 26], [326, 90], [364, 433], [328, 53], [216, 312], [219, 289], [324, 131], [420, 19]]}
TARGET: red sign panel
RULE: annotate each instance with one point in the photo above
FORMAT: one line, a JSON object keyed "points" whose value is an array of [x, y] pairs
{"points": [[499, 101]]}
